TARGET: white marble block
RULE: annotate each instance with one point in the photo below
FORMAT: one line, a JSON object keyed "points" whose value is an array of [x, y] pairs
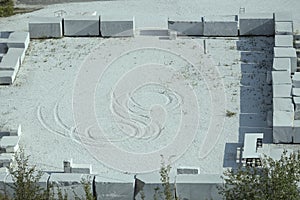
{"points": [[284, 52], [45, 27], [281, 77], [220, 25], [198, 187], [282, 64], [282, 91], [7, 77], [283, 104], [256, 24], [284, 41], [283, 126], [10, 61], [186, 26], [283, 17], [81, 26], [114, 188], [117, 26], [10, 144], [18, 40], [284, 28]]}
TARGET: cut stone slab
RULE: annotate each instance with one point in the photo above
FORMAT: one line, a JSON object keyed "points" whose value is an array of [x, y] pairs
{"points": [[284, 28], [283, 17], [296, 92], [200, 187], [220, 25], [186, 26], [283, 126], [284, 52], [82, 26], [284, 40], [70, 183], [117, 26], [256, 24], [282, 91], [281, 77], [10, 61], [7, 77], [10, 144], [297, 107], [13, 54], [45, 27], [296, 80], [18, 40], [118, 189], [283, 104], [282, 64]]}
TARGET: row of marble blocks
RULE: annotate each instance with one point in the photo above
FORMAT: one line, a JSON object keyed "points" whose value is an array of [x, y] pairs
{"points": [[284, 66], [9, 144], [105, 26], [13, 46], [246, 24]]}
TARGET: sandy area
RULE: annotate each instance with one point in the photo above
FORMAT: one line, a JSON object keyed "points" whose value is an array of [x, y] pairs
{"points": [[234, 69]]}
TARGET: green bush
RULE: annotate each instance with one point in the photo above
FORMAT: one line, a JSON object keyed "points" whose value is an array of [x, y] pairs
{"points": [[6, 8]]}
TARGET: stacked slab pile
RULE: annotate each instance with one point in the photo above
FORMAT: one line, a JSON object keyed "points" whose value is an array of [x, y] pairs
{"points": [[284, 81], [13, 46], [81, 25]]}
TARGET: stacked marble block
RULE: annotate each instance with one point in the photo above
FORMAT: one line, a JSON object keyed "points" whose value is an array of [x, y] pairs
{"points": [[284, 66], [13, 46], [81, 25]]}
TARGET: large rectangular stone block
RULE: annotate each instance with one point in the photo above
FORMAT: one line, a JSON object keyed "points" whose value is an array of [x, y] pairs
{"points": [[121, 188], [284, 28], [296, 80], [18, 40], [198, 187], [282, 64], [296, 92], [45, 27], [186, 26], [220, 25], [284, 41], [10, 61], [283, 17], [70, 183], [117, 26], [283, 104], [256, 24], [10, 144], [6, 159], [7, 77], [283, 91], [281, 77], [151, 184], [82, 26], [284, 52], [283, 126]]}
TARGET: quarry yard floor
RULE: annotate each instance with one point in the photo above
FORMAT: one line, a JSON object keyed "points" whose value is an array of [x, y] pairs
{"points": [[42, 97]]}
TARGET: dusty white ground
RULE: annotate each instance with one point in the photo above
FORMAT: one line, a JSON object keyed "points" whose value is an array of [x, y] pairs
{"points": [[42, 97]]}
